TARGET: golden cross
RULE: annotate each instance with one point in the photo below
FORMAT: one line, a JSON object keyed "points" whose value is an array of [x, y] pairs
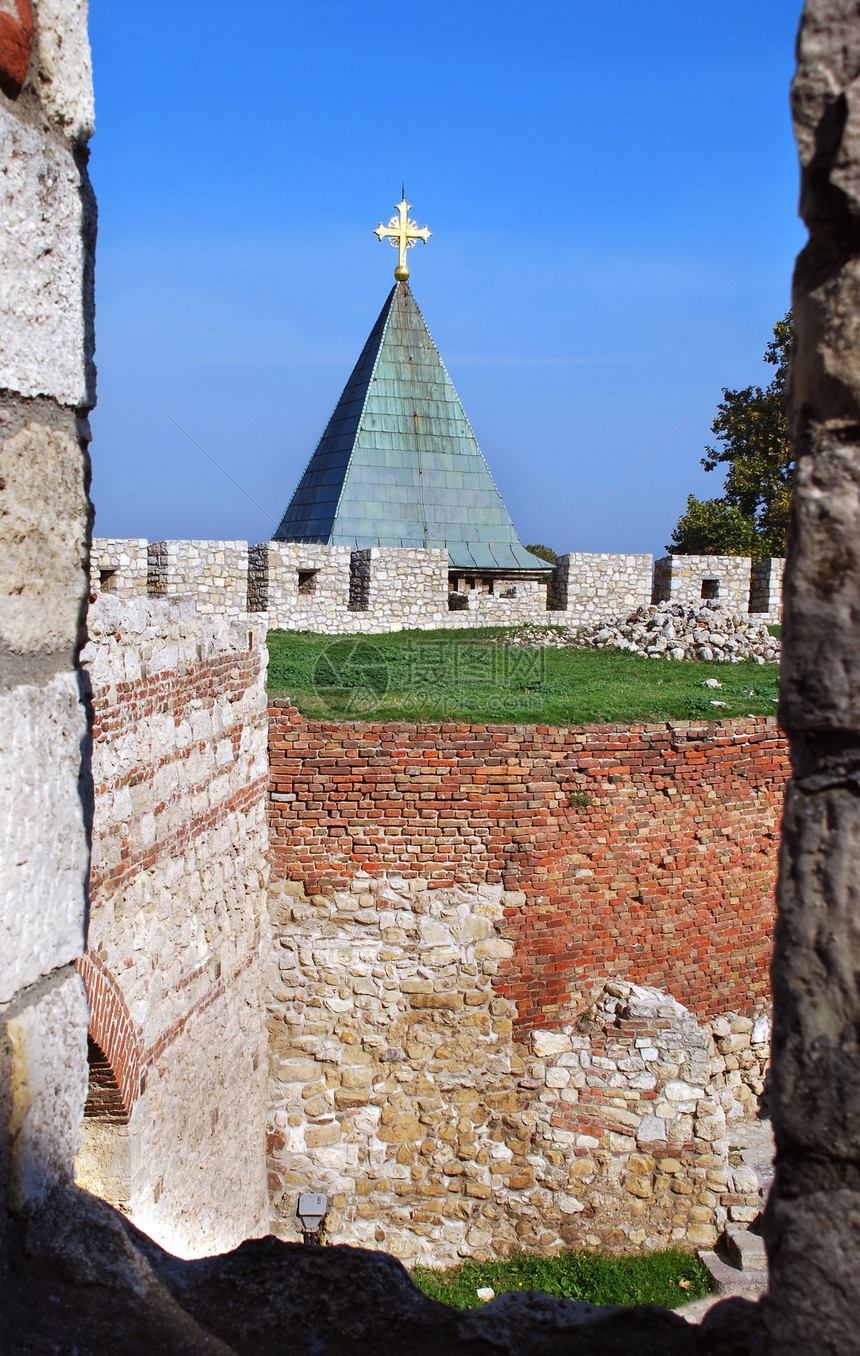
{"points": [[402, 234]]}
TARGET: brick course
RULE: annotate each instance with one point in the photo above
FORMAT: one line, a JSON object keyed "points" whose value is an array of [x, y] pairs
{"points": [[178, 935], [644, 852]]}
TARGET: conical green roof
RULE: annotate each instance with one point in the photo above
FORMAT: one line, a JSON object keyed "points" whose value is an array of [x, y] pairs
{"points": [[398, 463]]}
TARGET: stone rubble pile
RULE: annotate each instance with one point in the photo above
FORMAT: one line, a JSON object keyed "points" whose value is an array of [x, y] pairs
{"points": [[666, 631]]}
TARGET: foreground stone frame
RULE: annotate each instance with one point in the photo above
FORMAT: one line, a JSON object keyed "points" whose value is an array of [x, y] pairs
{"points": [[112, 1287]]}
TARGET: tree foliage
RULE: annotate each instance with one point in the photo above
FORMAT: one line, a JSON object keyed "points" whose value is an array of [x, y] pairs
{"points": [[544, 553], [750, 518]]}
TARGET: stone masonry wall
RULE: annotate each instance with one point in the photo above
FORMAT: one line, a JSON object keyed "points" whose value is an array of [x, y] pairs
{"points": [[119, 566], [689, 579], [178, 938], [212, 573], [587, 587], [47, 387], [335, 591], [766, 589], [275, 568], [458, 915], [499, 602], [402, 1088], [645, 852]]}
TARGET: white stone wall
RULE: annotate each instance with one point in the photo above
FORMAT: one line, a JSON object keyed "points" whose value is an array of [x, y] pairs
{"points": [[178, 919], [410, 586], [47, 231], [766, 589], [680, 579], [398, 588], [400, 1088], [587, 586], [213, 573], [335, 591], [326, 594], [119, 565]]}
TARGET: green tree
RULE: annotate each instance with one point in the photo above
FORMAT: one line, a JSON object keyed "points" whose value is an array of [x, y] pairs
{"points": [[750, 518], [544, 552]]}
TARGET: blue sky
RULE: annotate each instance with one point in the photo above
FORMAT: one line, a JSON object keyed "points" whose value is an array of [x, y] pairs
{"points": [[611, 188]]}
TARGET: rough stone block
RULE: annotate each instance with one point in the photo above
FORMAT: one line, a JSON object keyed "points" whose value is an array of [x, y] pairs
{"points": [[44, 1084], [44, 259], [43, 539], [64, 67], [43, 854]]}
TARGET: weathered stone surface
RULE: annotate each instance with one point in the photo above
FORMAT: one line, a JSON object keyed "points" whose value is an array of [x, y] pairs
{"points": [[45, 262], [43, 1084], [813, 1217], [116, 1290], [43, 852], [475, 1140], [43, 531], [63, 72]]}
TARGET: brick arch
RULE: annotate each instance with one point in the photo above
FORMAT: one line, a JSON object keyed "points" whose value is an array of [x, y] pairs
{"points": [[111, 1030]]}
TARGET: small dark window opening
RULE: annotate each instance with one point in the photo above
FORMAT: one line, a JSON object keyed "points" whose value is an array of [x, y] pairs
{"points": [[308, 581], [104, 1100], [107, 581], [710, 588]]}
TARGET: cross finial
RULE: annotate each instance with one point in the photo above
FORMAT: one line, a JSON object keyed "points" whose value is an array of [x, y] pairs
{"points": [[402, 234]]}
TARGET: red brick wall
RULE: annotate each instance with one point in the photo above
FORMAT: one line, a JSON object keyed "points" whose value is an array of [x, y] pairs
{"points": [[665, 876], [110, 1025], [175, 780]]}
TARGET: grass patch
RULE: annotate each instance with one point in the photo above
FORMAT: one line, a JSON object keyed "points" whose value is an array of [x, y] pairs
{"points": [[439, 676], [670, 1278]]}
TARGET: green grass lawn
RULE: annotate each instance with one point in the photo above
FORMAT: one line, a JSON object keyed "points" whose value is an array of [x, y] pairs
{"points": [[670, 1278], [458, 676]]}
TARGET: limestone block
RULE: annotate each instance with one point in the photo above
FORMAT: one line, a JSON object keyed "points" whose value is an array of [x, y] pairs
{"points": [[550, 1042], [64, 66], [297, 1071], [44, 1084], [43, 850], [43, 539], [45, 254], [569, 1205], [678, 1091], [652, 1130]]}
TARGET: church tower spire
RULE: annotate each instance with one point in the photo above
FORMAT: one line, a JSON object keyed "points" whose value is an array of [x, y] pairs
{"points": [[398, 464]]}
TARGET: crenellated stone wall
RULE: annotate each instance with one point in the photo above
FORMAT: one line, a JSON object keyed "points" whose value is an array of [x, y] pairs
{"points": [[690, 579], [586, 587], [120, 566], [335, 591], [212, 573]]}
